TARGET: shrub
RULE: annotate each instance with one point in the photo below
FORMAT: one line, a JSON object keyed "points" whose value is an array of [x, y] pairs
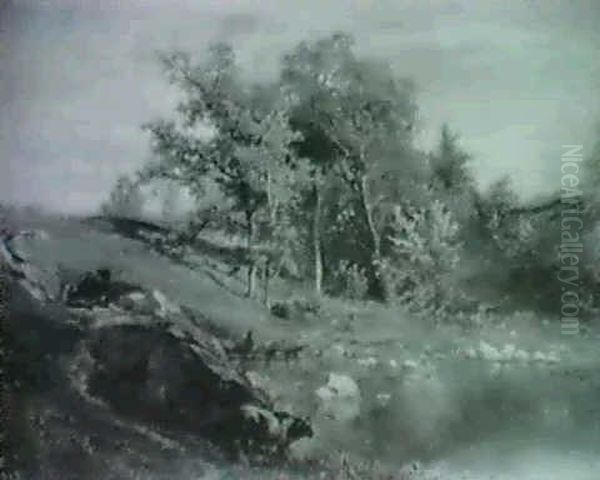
{"points": [[125, 200], [295, 308], [425, 251], [350, 280]]}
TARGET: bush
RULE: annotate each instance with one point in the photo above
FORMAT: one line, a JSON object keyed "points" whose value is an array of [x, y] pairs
{"points": [[350, 280], [125, 200], [295, 308], [425, 251]]}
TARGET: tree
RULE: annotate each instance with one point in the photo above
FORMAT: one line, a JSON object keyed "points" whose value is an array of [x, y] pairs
{"points": [[509, 232], [450, 164], [451, 178], [590, 173], [425, 251], [352, 113], [247, 154], [169, 197], [125, 200], [283, 179]]}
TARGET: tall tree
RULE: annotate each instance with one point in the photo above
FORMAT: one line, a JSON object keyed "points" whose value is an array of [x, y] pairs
{"points": [[352, 114], [451, 179], [277, 173], [449, 163], [248, 141]]}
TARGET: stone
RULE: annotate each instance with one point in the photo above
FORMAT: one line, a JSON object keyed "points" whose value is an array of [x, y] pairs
{"points": [[489, 352], [154, 369], [165, 307], [409, 365], [368, 362], [340, 398], [96, 288]]}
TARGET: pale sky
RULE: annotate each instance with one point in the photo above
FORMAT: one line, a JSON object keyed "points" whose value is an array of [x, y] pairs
{"points": [[516, 79]]}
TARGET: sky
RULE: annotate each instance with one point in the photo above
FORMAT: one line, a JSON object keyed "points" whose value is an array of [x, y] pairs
{"points": [[515, 79]]}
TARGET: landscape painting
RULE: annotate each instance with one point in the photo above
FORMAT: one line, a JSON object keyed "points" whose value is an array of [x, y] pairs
{"points": [[299, 239]]}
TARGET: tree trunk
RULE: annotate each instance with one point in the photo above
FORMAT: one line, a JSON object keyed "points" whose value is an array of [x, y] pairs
{"points": [[267, 278], [377, 281], [317, 241], [272, 218], [250, 254]]}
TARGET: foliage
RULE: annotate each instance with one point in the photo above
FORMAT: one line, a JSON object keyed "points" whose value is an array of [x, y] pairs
{"points": [[517, 235], [318, 172], [425, 252], [350, 281], [451, 178], [125, 200], [248, 154], [355, 117], [449, 164]]}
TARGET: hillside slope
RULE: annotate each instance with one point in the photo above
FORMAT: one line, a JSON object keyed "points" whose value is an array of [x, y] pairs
{"points": [[508, 400]]}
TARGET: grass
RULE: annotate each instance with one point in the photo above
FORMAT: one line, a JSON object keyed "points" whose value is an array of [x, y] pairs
{"points": [[441, 403]]}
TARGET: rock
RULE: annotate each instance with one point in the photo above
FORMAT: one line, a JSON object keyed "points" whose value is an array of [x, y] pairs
{"points": [[260, 416], [368, 362], [245, 346], [411, 471], [508, 352], [410, 365], [295, 308], [13, 259], [340, 398], [335, 351], [521, 355], [42, 283], [156, 370], [96, 288], [257, 380], [553, 358], [151, 376], [470, 353], [383, 399], [154, 303], [489, 352], [165, 307], [280, 426], [37, 234], [136, 301], [280, 310], [538, 357]]}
